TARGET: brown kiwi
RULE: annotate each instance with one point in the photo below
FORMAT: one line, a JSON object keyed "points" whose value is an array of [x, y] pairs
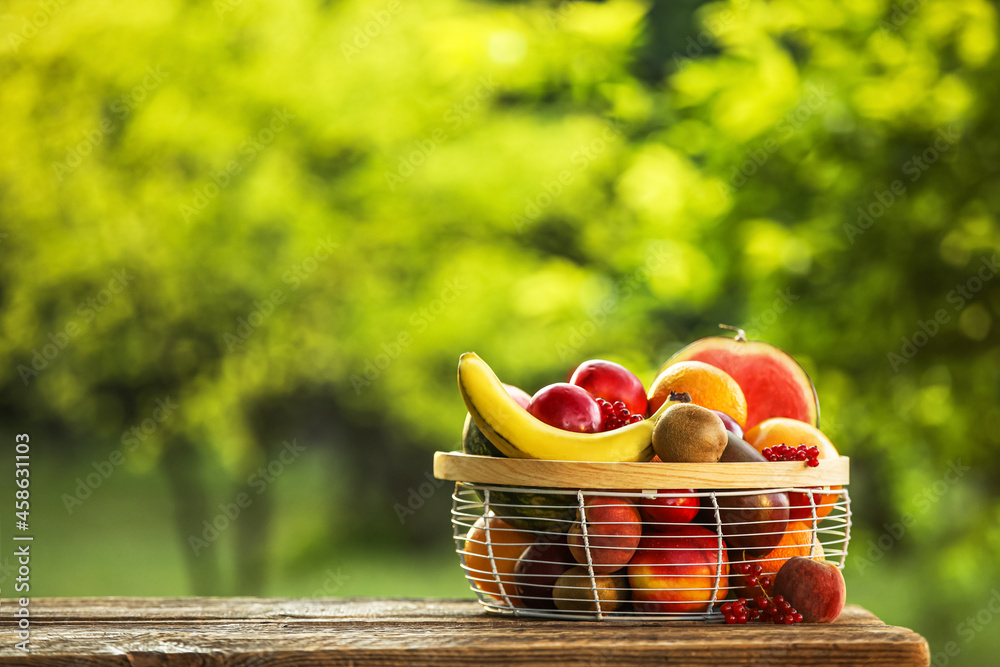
{"points": [[689, 433]]}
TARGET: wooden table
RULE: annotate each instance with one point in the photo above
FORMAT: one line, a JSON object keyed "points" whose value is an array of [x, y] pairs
{"points": [[357, 632]]}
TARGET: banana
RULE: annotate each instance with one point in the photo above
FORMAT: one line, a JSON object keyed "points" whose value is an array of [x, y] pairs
{"points": [[518, 434]]}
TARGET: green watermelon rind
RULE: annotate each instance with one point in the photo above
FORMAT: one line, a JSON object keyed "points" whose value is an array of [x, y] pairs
{"points": [[474, 441]]}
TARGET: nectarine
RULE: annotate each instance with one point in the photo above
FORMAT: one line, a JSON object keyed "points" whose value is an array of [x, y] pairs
{"points": [[677, 571], [613, 532]]}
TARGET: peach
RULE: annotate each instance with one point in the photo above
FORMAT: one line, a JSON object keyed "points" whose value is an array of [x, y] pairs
{"points": [[816, 589], [613, 532], [574, 591], [676, 571]]}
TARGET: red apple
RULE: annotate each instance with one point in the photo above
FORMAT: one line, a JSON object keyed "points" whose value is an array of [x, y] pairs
{"points": [[613, 532], [676, 571], [566, 406], [612, 382], [521, 396], [668, 510]]}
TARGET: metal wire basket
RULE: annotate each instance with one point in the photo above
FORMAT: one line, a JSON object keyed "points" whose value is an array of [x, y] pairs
{"points": [[566, 540]]}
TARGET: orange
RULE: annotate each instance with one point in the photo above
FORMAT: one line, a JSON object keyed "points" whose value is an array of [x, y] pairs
{"points": [[792, 432], [507, 545], [707, 385], [795, 542]]}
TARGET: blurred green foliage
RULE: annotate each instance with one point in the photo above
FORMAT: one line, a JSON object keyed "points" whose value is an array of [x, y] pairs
{"points": [[314, 207]]}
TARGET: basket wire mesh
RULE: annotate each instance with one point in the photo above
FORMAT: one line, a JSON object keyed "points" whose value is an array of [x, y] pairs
{"points": [[493, 526]]}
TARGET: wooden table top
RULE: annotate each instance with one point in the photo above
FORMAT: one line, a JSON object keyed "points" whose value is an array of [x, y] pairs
{"points": [[364, 631]]}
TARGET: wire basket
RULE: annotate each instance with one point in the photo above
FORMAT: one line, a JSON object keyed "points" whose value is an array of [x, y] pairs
{"points": [[563, 539]]}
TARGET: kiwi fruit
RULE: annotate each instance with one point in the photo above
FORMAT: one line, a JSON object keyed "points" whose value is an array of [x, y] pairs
{"points": [[689, 433]]}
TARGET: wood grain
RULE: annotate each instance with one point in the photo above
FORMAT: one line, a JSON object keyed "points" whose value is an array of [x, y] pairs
{"points": [[238, 631], [459, 467]]}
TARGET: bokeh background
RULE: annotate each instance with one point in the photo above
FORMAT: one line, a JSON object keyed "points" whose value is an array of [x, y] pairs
{"points": [[242, 244]]}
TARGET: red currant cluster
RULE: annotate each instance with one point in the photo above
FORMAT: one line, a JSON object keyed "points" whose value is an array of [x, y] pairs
{"points": [[615, 415], [785, 453], [763, 608], [752, 575]]}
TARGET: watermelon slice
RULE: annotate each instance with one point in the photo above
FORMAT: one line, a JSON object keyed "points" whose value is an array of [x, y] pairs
{"points": [[772, 381]]}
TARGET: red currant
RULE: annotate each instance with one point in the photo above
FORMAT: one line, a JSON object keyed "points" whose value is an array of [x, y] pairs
{"points": [[762, 608], [615, 415], [783, 452]]}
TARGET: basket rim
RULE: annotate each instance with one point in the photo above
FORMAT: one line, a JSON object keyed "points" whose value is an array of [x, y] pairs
{"points": [[461, 467]]}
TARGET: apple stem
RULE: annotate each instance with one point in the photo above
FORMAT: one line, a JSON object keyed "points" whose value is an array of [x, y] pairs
{"points": [[741, 335]]}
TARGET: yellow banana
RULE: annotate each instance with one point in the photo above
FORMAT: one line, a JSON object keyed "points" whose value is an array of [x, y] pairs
{"points": [[518, 434]]}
